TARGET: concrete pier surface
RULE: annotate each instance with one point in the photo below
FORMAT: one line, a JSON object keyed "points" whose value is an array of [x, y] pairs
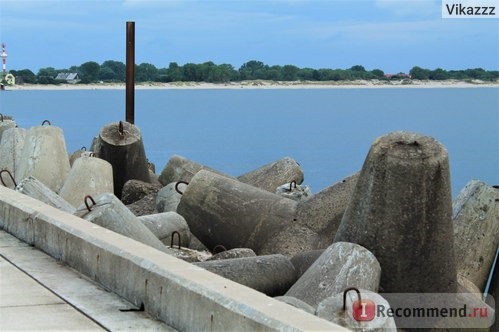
{"points": [[179, 294], [40, 293]]}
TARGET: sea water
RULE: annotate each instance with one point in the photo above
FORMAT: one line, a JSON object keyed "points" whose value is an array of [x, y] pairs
{"points": [[327, 131]]}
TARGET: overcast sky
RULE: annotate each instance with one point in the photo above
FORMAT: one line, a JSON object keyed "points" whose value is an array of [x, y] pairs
{"points": [[392, 35]]}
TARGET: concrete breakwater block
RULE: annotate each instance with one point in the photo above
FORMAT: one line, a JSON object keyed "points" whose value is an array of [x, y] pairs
{"points": [[294, 191], [224, 211], [37, 190], [169, 196], [163, 225], [297, 303], [476, 230], [44, 157], [401, 211], [6, 124], [11, 148], [109, 212], [273, 175], [331, 309], [135, 190], [88, 176], [323, 212], [340, 266], [180, 168], [120, 143], [271, 275], [303, 260], [232, 253]]}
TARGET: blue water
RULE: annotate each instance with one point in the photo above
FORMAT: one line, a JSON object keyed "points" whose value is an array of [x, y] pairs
{"points": [[328, 131]]}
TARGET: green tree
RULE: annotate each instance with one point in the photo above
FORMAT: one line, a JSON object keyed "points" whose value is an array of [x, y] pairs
{"points": [[146, 72], [253, 70], [419, 73], [107, 74], [438, 74], [175, 72], [290, 73], [378, 73], [24, 76], [89, 72], [117, 67]]}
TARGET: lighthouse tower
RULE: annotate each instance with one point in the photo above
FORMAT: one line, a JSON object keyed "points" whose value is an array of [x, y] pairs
{"points": [[4, 60]]}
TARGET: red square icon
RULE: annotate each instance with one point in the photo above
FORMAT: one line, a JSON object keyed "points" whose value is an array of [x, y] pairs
{"points": [[363, 310]]}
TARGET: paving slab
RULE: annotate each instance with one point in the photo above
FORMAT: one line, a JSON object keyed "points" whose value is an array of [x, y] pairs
{"points": [[38, 292]]}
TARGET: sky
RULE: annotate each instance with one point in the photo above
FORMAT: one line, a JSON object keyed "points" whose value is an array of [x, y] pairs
{"points": [[391, 35]]}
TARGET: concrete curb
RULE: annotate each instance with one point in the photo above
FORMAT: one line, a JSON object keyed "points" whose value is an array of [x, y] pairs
{"points": [[184, 296]]}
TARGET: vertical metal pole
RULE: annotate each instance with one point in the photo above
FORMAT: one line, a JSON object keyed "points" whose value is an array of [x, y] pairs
{"points": [[130, 72]]}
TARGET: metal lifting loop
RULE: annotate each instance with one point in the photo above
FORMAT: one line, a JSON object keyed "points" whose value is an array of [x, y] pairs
{"points": [[121, 131], [173, 236], [291, 185], [83, 148], [345, 296], [91, 154], [11, 177], [218, 248], [46, 122], [176, 186], [89, 208]]}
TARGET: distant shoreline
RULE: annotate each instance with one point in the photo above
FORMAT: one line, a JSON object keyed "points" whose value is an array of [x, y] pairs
{"points": [[259, 84]]}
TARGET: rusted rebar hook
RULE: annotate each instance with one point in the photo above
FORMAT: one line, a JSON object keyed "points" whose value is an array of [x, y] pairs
{"points": [[176, 186], [345, 296], [46, 122], [218, 249], [291, 185], [89, 208], [121, 130], [179, 239], [11, 177]]}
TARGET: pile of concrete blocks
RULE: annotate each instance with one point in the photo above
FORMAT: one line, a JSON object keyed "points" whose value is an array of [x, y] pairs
{"points": [[391, 228]]}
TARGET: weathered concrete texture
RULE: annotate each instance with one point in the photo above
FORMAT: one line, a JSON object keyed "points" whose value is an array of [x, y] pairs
{"points": [[401, 211], [271, 176], [476, 230], [296, 303], [303, 260], [271, 275], [162, 225], [6, 124], [233, 253], [188, 298], [224, 211], [80, 153], [331, 309], [342, 265], [37, 190], [88, 176], [44, 157], [168, 198], [109, 212], [124, 150], [294, 191], [135, 190], [144, 206], [180, 168], [323, 212], [11, 148], [466, 286]]}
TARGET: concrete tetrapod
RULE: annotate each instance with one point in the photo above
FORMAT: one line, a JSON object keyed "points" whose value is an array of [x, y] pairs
{"points": [[120, 144], [476, 230], [224, 211], [401, 211], [44, 157], [5, 124], [109, 212], [271, 274], [11, 148], [341, 265], [88, 176], [163, 225], [271, 176], [35, 189], [168, 197]]}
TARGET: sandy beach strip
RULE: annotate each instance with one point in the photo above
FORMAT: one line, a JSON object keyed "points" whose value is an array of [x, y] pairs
{"points": [[358, 84]]}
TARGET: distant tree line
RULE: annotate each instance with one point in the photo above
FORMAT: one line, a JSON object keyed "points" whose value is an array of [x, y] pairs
{"points": [[114, 71]]}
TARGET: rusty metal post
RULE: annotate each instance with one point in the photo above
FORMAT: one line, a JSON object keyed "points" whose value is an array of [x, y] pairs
{"points": [[130, 72]]}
